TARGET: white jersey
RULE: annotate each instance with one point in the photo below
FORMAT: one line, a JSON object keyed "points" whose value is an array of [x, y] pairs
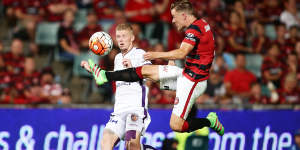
{"points": [[130, 94]]}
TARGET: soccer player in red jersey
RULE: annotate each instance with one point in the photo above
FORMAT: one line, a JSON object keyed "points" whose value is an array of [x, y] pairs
{"points": [[190, 82]]}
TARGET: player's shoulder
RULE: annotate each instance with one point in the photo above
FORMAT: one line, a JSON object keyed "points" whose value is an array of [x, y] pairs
{"points": [[197, 26], [118, 56], [139, 50]]}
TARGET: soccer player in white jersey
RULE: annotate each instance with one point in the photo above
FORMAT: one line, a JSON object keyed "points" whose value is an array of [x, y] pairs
{"points": [[130, 118]]}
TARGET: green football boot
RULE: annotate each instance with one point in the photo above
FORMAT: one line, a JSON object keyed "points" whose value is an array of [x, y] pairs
{"points": [[215, 124], [98, 73]]}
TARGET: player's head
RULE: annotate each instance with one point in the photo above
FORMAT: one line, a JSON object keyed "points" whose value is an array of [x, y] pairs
{"points": [[124, 36], [240, 61], [182, 11]]}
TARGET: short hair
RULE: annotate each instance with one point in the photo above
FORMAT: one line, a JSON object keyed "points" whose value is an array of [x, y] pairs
{"points": [[183, 5], [124, 26]]}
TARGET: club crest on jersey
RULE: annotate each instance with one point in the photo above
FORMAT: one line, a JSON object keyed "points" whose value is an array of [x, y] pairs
{"points": [[134, 117], [190, 36]]}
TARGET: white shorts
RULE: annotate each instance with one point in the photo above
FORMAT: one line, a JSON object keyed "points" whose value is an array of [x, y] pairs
{"points": [[128, 122], [187, 91]]}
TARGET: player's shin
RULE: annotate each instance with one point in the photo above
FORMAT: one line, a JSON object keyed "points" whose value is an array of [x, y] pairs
{"points": [[195, 124], [128, 75]]}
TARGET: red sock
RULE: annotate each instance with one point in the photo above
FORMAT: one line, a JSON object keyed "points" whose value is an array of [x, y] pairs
{"points": [[138, 71], [185, 126]]}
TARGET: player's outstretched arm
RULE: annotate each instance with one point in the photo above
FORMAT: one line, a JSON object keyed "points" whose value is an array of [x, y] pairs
{"points": [[180, 53]]}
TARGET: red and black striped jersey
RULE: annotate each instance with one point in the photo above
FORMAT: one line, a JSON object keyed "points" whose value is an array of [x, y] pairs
{"points": [[199, 60]]}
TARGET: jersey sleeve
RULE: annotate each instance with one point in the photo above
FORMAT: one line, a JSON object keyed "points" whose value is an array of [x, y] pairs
{"points": [[190, 37], [140, 61]]}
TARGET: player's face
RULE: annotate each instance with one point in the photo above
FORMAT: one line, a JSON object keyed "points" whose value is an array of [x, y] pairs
{"points": [[124, 39], [179, 19]]}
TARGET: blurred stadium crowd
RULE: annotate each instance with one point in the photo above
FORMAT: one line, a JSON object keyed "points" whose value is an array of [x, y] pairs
{"points": [[43, 41]]}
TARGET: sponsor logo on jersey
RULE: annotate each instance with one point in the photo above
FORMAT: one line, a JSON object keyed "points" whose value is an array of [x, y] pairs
{"points": [[190, 36]]}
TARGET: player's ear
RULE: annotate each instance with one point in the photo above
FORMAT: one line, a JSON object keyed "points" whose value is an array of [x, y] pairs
{"points": [[132, 38]]}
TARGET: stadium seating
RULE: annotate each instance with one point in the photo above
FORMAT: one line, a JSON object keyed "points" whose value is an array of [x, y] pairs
{"points": [[253, 63], [46, 33]]}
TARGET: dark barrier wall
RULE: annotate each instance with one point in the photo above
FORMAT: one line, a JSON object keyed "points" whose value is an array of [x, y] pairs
{"points": [[81, 129]]}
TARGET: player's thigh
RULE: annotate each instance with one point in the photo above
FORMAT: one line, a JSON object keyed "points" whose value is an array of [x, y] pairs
{"points": [[109, 139], [115, 127], [150, 71], [158, 72], [134, 144], [186, 94]]}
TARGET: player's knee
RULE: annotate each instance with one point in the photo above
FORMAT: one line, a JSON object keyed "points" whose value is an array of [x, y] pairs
{"points": [[106, 144], [150, 71], [133, 145]]}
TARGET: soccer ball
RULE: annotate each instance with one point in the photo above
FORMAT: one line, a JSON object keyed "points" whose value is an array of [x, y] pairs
{"points": [[100, 43]]}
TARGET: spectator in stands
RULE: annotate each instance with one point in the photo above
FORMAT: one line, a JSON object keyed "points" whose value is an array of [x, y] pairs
{"points": [[272, 70], [68, 46], [174, 38], [162, 8], [51, 91], [9, 10], [91, 27], [56, 8], [256, 96], [30, 9], [219, 66], [251, 10], [237, 36], [30, 78], [281, 39], [293, 38], [138, 40], [238, 81], [164, 18], [214, 13], [292, 63], [269, 11], [139, 11], [14, 59], [167, 97], [105, 9], [214, 90], [290, 16], [119, 17], [5, 82], [260, 42], [27, 34], [296, 146], [288, 93]]}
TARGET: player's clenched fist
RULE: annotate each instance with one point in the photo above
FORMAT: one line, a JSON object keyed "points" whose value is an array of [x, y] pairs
{"points": [[127, 63]]}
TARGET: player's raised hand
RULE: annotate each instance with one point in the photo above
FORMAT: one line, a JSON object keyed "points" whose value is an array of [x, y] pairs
{"points": [[127, 63], [84, 64]]}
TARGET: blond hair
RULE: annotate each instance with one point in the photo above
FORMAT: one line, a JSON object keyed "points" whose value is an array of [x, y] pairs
{"points": [[124, 26]]}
